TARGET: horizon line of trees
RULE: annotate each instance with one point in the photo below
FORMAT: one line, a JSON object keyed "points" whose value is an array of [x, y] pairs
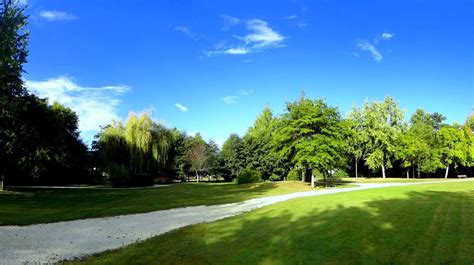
{"points": [[40, 142]]}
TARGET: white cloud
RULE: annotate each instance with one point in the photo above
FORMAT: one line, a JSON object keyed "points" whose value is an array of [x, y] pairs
{"points": [[366, 46], [260, 36], [181, 107], [229, 21], [302, 24], [387, 36], [95, 106], [245, 92], [52, 15], [355, 54], [230, 99], [185, 30], [290, 17]]}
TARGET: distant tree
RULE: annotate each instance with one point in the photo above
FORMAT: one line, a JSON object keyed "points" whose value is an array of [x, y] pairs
{"points": [[232, 156], [198, 155], [382, 124], [214, 159], [417, 144], [181, 143], [453, 147], [258, 146], [355, 140], [140, 146]]}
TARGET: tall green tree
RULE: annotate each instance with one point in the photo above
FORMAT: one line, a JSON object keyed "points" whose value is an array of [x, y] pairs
{"points": [[232, 156], [198, 155], [313, 135], [453, 147], [139, 145], [417, 146], [13, 55], [382, 124], [258, 146]]}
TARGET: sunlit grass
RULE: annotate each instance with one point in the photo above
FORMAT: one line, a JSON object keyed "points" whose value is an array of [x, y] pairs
{"points": [[51, 205], [422, 224]]}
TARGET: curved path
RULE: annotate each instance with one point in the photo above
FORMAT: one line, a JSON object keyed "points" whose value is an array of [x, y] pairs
{"points": [[49, 243]]}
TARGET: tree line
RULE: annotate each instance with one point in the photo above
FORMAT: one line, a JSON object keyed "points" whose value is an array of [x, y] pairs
{"points": [[40, 142]]}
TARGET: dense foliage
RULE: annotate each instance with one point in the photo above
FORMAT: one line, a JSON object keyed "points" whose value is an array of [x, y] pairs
{"points": [[39, 142], [249, 176]]}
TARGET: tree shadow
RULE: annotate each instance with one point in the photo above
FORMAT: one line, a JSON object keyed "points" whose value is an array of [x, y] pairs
{"points": [[417, 227]]}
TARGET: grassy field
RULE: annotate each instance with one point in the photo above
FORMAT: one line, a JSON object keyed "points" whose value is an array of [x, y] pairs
{"points": [[51, 205], [423, 224], [391, 180]]}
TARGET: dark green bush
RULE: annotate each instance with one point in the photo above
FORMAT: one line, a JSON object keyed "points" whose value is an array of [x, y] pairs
{"points": [[274, 177], [340, 174], [118, 176], [249, 176], [294, 174]]}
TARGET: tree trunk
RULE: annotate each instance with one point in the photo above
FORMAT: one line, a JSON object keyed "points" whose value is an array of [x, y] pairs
{"points": [[418, 170], [383, 171], [312, 180], [1, 182], [303, 174], [408, 173], [197, 176], [447, 172], [356, 160]]}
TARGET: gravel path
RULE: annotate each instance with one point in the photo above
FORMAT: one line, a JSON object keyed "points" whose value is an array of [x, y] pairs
{"points": [[49, 243]]}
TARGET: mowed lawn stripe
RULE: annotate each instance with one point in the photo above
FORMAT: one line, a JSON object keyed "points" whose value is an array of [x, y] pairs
{"points": [[422, 224]]}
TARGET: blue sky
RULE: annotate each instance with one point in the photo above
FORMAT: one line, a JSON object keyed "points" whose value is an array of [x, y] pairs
{"points": [[212, 66]]}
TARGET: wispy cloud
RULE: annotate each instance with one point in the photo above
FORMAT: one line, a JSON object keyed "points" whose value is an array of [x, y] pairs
{"points": [[290, 17], [229, 21], [245, 92], [95, 106], [185, 30], [367, 46], [181, 107], [387, 36], [230, 99], [235, 98], [260, 36], [52, 15]]}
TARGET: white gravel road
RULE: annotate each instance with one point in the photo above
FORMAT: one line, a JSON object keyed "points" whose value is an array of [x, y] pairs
{"points": [[49, 243]]}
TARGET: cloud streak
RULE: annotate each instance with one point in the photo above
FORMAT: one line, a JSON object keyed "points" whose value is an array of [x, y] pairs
{"points": [[181, 107], [185, 30], [387, 36], [374, 52], [53, 15], [229, 21], [259, 36], [95, 106], [230, 99]]}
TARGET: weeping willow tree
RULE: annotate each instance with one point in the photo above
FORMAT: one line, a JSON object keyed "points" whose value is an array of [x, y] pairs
{"points": [[139, 145]]}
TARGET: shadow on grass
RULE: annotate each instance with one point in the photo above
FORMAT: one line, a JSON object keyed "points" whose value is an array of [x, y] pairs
{"points": [[418, 227]]}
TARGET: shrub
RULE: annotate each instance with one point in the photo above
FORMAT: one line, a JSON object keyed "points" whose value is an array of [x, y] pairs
{"points": [[294, 174], [340, 174], [249, 176], [118, 176], [274, 177]]}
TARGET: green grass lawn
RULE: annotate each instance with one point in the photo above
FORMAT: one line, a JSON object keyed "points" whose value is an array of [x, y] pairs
{"points": [[423, 224], [26, 207], [391, 180]]}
